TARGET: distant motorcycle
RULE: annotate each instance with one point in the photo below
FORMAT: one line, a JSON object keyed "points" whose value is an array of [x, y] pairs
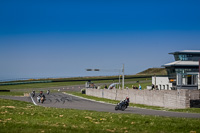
{"points": [[122, 105], [48, 91], [33, 94]]}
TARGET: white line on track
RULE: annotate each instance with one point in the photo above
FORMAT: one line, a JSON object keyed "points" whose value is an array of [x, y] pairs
{"points": [[33, 100]]}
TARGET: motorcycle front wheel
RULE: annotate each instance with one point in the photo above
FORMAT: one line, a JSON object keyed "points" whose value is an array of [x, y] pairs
{"points": [[42, 100], [116, 107]]}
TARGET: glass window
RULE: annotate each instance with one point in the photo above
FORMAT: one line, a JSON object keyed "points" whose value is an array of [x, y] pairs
{"points": [[183, 57], [186, 57], [176, 57], [186, 79]]}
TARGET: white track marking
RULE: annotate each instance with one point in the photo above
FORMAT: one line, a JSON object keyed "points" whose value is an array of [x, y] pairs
{"points": [[33, 100]]}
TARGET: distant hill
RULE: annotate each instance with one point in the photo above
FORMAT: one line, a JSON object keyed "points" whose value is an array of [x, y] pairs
{"points": [[152, 71], [144, 74]]}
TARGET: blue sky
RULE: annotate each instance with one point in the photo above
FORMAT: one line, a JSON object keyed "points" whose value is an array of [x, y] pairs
{"points": [[62, 38]]}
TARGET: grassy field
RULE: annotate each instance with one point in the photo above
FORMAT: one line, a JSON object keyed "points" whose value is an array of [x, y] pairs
{"points": [[189, 110], [19, 90], [23, 117], [58, 84], [144, 85], [40, 85], [95, 78], [153, 71]]}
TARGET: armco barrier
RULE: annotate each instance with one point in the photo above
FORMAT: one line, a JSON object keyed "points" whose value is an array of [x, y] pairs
{"points": [[163, 98], [25, 82]]}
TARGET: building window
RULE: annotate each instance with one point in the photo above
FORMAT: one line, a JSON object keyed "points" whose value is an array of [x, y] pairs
{"points": [[183, 57], [187, 79]]}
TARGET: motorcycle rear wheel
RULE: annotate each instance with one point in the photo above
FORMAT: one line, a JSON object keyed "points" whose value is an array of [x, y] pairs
{"points": [[116, 107], [123, 107]]}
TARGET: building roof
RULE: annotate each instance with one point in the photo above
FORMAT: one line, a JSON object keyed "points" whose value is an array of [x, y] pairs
{"points": [[182, 63], [186, 52]]}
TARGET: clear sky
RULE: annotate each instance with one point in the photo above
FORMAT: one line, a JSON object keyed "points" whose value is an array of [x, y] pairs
{"points": [[60, 38]]}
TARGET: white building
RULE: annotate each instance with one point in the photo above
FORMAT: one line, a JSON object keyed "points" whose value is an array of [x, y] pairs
{"points": [[183, 73], [162, 82]]}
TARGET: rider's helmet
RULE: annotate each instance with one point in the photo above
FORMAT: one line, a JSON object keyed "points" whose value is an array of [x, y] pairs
{"points": [[127, 98]]}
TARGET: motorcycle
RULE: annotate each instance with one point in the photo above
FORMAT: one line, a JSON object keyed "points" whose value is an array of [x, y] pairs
{"points": [[40, 99], [33, 94], [48, 91], [122, 105]]}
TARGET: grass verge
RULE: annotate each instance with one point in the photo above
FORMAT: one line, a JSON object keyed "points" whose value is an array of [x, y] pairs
{"points": [[18, 116]]}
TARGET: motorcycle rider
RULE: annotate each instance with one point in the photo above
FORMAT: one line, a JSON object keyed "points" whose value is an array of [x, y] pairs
{"points": [[41, 95], [127, 101], [48, 91], [123, 104], [33, 93]]}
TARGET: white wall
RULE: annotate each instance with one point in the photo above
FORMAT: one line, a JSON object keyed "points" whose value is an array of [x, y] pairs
{"points": [[162, 83]]}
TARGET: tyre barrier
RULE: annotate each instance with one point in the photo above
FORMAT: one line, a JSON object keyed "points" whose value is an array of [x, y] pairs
{"points": [[4, 90]]}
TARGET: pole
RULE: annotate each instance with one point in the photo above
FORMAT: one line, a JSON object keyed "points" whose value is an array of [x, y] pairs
{"points": [[199, 77], [119, 79], [123, 77], [115, 70], [199, 69], [155, 82]]}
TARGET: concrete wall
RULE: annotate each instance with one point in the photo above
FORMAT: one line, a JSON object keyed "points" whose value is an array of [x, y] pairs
{"points": [[199, 84], [163, 98], [194, 98]]}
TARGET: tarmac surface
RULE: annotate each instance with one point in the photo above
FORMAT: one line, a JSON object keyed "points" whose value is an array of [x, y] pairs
{"points": [[60, 100]]}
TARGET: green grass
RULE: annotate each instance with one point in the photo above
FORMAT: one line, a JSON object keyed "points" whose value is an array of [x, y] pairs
{"points": [[40, 85], [23, 117], [144, 85], [126, 80], [93, 98], [153, 71], [57, 84], [188, 110], [146, 82], [80, 78]]}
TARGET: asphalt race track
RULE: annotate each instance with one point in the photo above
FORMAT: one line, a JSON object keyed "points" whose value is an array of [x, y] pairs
{"points": [[60, 100]]}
